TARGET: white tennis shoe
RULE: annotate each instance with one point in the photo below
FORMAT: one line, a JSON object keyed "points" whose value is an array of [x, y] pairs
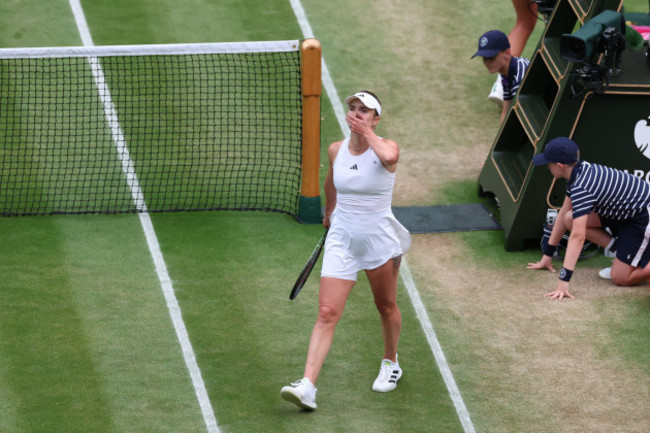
{"points": [[301, 393], [496, 94], [389, 374], [605, 273]]}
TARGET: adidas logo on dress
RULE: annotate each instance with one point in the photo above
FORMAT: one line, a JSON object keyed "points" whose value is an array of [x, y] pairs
{"points": [[354, 167]]}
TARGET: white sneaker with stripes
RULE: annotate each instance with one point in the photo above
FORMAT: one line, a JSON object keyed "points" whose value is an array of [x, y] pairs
{"points": [[389, 374]]}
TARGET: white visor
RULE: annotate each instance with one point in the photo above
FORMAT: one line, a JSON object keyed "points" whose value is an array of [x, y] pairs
{"points": [[366, 99]]}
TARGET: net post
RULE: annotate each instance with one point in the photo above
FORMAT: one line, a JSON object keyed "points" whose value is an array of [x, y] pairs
{"points": [[309, 210]]}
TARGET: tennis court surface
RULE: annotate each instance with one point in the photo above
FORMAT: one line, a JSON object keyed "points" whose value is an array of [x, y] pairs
{"points": [[118, 320]]}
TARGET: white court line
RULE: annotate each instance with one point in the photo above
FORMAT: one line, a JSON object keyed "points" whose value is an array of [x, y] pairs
{"points": [[147, 226], [434, 344], [405, 272]]}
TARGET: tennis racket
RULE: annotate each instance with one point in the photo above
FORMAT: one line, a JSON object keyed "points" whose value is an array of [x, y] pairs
{"points": [[302, 278]]}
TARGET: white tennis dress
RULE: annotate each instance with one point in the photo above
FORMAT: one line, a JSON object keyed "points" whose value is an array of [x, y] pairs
{"points": [[364, 233]]}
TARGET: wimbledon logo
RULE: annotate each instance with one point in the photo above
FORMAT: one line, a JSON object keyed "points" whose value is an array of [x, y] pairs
{"points": [[642, 136]]}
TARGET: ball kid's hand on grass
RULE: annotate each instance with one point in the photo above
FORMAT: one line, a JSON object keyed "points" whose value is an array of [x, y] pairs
{"points": [[561, 291], [545, 263]]}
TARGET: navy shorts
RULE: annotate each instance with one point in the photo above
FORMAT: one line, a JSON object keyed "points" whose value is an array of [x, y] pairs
{"points": [[633, 236]]}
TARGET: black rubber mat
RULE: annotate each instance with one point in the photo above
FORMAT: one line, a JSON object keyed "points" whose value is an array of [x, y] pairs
{"points": [[446, 218]]}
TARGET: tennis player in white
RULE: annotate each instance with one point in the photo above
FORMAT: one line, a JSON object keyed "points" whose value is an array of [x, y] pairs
{"points": [[363, 235]]}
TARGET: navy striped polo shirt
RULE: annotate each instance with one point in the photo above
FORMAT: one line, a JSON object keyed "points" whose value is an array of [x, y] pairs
{"points": [[608, 192], [516, 72]]}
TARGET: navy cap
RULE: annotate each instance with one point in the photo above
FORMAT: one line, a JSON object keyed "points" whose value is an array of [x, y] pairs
{"points": [[560, 149], [492, 43]]}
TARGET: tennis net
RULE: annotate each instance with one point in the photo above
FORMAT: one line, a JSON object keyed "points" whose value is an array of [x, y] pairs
{"points": [[155, 128]]}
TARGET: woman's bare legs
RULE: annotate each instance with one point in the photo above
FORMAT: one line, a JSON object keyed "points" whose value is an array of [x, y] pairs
{"points": [[332, 296], [383, 282]]}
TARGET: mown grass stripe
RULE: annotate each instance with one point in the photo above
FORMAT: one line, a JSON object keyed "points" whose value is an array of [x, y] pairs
{"points": [[150, 234]]}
